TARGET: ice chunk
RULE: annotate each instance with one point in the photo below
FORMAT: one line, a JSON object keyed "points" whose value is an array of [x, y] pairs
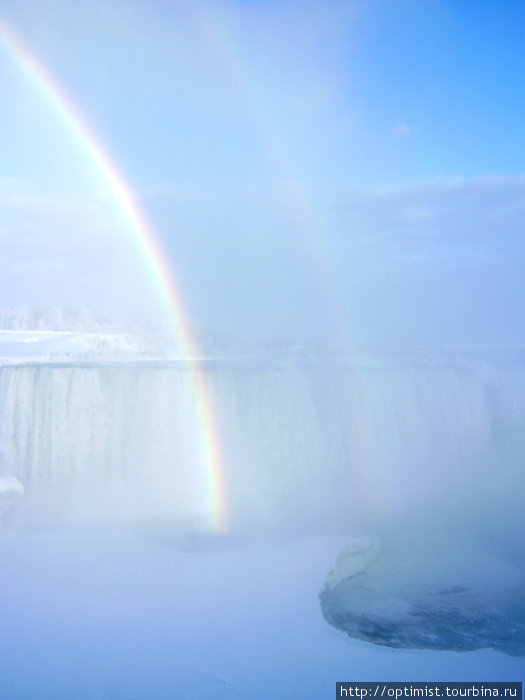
{"points": [[11, 493], [455, 600]]}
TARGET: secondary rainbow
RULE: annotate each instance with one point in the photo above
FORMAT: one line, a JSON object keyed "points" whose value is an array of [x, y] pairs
{"points": [[217, 37], [151, 253]]}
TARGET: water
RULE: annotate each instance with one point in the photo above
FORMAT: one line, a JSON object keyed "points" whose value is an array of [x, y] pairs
{"points": [[313, 446], [447, 596], [425, 453]]}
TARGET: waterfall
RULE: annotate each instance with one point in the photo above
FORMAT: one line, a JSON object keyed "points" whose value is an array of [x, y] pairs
{"points": [[306, 445]]}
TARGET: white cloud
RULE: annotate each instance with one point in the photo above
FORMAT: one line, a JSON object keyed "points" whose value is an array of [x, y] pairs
{"points": [[440, 261]]}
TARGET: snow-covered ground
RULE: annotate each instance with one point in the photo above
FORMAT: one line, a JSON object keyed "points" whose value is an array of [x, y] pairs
{"points": [[123, 614], [36, 346]]}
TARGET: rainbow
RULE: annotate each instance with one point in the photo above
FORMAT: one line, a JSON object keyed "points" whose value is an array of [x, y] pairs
{"points": [[154, 258], [298, 203]]}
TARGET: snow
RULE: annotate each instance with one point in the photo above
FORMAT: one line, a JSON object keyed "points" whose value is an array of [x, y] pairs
{"points": [[104, 614], [8, 484], [454, 595], [20, 346], [353, 559]]}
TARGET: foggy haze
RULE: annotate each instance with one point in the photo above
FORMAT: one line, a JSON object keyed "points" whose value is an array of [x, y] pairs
{"points": [[262, 368]]}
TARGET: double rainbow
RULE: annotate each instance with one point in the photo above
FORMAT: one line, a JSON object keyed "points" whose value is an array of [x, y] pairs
{"points": [[154, 258]]}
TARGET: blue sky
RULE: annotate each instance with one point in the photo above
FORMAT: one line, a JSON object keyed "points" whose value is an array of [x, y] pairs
{"points": [[341, 171]]}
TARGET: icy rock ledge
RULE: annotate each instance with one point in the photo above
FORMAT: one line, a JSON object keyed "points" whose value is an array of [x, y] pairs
{"points": [[381, 599], [11, 493]]}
